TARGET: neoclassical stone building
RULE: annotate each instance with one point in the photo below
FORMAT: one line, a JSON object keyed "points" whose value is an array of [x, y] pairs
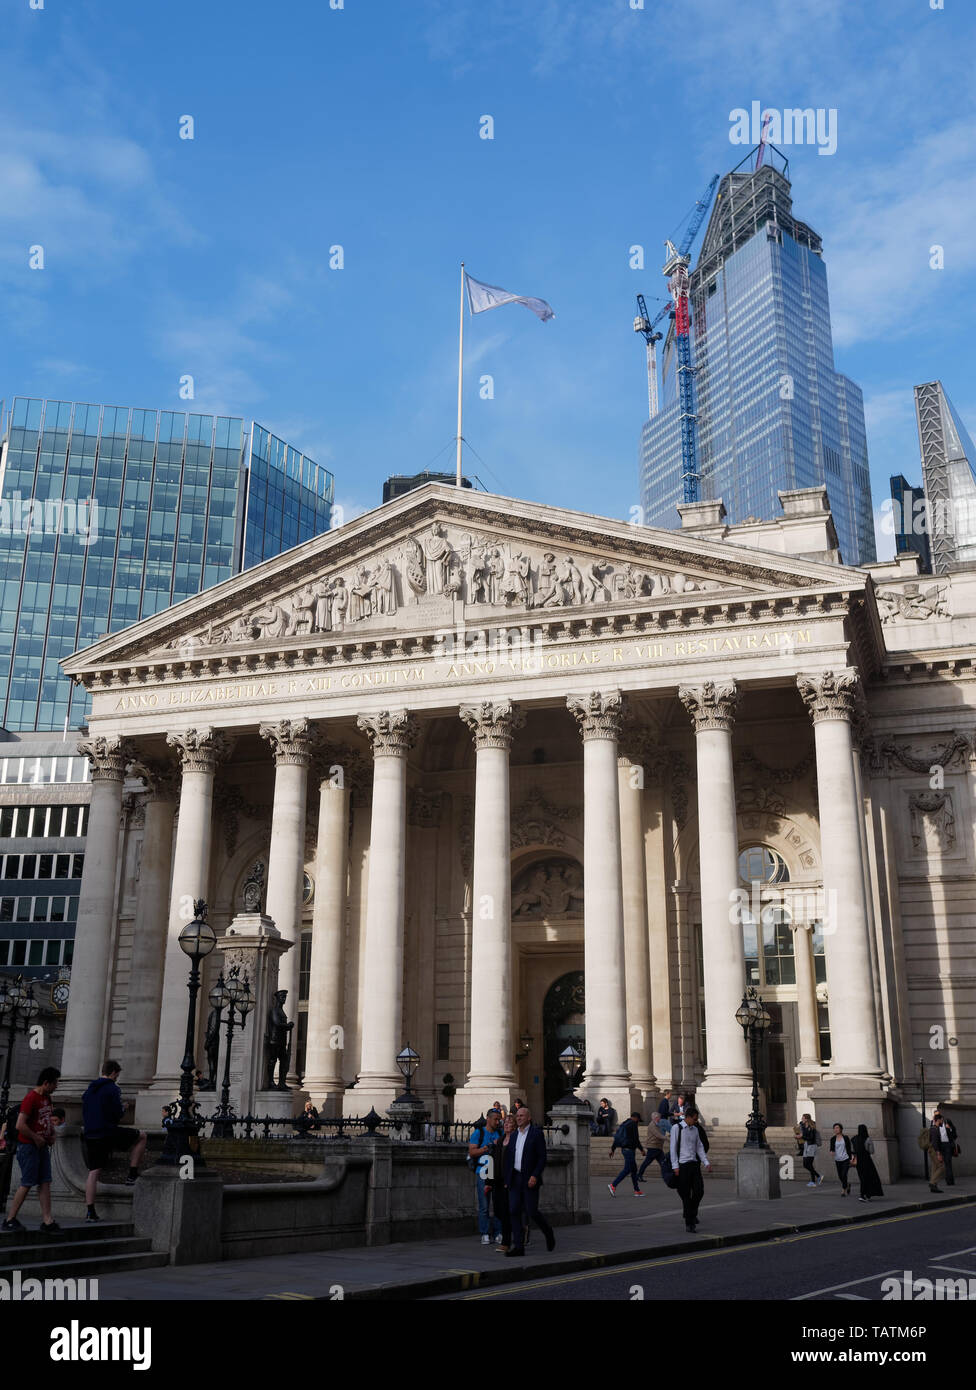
{"points": [[510, 775]]}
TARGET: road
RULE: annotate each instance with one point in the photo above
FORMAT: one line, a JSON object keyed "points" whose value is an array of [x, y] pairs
{"points": [[845, 1264]]}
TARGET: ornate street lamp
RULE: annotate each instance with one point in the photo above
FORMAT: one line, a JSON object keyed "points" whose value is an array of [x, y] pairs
{"points": [[17, 1006], [753, 1018], [524, 1047], [570, 1059], [197, 940], [408, 1061], [236, 994]]}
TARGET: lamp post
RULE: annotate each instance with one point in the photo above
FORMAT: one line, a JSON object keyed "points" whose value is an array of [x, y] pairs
{"points": [[753, 1018], [524, 1047], [197, 940], [570, 1059], [17, 1005], [408, 1109], [925, 1153], [236, 994]]}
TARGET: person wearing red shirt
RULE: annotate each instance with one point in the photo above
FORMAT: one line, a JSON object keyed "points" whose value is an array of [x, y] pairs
{"points": [[35, 1135]]}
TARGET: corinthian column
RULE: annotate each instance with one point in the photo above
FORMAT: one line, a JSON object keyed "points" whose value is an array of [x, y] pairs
{"points": [[149, 929], [598, 715], [199, 751], [291, 743], [491, 1077], [829, 698], [325, 1044], [392, 735], [91, 970], [728, 1078]]}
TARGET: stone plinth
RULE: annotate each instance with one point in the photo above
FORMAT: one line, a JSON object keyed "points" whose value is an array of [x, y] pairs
{"points": [[757, 1173], [253, 942]]}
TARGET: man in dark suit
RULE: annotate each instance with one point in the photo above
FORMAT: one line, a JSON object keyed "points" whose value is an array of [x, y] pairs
{"points": [[525, 1158]]}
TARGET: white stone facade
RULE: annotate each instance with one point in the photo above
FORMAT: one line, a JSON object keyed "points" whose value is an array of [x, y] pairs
{"points": [[481, 746]]}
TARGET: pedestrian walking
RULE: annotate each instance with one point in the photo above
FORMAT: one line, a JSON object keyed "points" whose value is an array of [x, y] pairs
{"points": [[35, 1136], [810, 1142], [627, 1140], [499, 1192], [942, 1134], [480, 1144], [524, 1163], [102, 1107], [664, 1111], [840, 1147], [867, 1173], [656, 1140], [687, 1156]]}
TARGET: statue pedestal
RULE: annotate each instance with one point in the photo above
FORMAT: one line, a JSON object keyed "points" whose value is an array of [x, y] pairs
{"points": [[253, 942]]}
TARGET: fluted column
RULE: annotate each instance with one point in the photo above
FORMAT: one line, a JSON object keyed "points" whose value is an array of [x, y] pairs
{"points": [[491, 1076], [392, 734], [637, 967], [598, 715], [829, 698], [728, 1078], [325, 1044], [806, 998], [199, 751], [149, 928], [91, 969], [291, 743]]}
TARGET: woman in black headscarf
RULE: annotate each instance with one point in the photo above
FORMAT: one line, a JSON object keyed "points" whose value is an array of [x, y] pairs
{"points": [[867, 1174]]}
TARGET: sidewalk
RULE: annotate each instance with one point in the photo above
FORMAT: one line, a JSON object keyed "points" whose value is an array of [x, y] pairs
{"points": [[623, 1229]]}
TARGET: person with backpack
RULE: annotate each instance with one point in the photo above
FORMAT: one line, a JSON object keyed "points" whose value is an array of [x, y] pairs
{"points": [[627, 1140], [810, 1140], [656, 1140], [480, 1160], [867, 1173], [688, 1154], [102, 1108]]}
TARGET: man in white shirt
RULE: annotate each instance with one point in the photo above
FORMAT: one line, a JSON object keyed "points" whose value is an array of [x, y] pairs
{"points": [[687, 1156], [525, 1160]]}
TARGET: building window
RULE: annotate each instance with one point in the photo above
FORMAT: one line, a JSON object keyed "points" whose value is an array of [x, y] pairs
{"points": [[760, 864], [443, 1040], [304, 967]]}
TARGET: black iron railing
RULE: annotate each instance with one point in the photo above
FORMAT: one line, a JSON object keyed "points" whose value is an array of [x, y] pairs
{"points": [[268, 1127]]}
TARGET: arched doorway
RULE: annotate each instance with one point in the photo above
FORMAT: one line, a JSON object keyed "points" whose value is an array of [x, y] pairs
{"points": [[563, 1022]]}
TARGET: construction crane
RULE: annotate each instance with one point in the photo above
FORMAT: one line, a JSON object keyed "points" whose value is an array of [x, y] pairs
{"points": [[642, 324], [676, 269]]}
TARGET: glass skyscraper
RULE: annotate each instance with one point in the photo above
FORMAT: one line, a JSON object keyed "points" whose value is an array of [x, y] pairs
{"points": [[109, 514], [772, 412], [948, 479]]}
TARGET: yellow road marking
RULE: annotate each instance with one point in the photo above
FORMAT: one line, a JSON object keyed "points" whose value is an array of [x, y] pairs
{"points": [[290, 1295], [702, 1254]]}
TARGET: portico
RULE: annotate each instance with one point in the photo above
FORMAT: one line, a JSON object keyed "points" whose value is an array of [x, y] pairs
{"points": [[461, 796]]}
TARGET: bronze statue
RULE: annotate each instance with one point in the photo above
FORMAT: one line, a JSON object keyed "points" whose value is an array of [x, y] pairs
{"points": [[277, 1043], [211, 1046]]}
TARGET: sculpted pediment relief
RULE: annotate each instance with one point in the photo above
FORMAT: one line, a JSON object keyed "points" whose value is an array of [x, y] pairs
{"points": [[435, 559]]}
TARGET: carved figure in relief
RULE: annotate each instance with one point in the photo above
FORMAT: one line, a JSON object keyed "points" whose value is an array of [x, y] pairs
{"points": [[531, 895], [360, 596], [323, 606], [496, 575], [302, 604], [416, 568], [478, 576], [660, 584], [913, 603], [384, 588], [571, 580], [515, 588], [437, 551], [340, 604], [271, 621], [595, 579], [549, 593]]}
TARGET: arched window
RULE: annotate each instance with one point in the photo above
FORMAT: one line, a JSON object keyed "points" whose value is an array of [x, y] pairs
{"points": [[766, 931], [760, 864]]}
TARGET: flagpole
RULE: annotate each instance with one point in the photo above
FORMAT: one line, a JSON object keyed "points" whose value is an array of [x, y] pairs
{"points": [[460, 374]]}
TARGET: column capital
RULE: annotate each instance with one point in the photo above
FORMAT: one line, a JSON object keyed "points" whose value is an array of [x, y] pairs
{"points": [[830, 694], [200, 750], [108, 756], [391, 732], [161, 776], [598, 714], [492, 722], [711, 705], [291, 741]]}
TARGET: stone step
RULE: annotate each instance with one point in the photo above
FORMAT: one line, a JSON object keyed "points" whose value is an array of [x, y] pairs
{"points": [[76, 1230], [91, 1264], [724, 1143], [56, 1252]]}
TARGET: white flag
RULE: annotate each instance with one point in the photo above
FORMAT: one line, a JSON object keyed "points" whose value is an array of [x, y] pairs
{"points": [[482, 297]]}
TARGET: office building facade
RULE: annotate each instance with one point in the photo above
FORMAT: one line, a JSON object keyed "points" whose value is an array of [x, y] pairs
{"points": [[948, 479], [111, 514], [773, 414]]}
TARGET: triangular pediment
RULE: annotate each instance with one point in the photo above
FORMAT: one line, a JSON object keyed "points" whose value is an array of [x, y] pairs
{"points": [[439, 557]]}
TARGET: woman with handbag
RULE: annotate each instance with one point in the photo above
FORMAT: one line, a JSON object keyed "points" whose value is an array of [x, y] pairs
{"points": [[810, 1139], [840, 1147], [867, 1173]]}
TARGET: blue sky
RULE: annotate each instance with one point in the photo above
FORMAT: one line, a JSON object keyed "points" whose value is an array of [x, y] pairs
{"points": [[359, 127]]}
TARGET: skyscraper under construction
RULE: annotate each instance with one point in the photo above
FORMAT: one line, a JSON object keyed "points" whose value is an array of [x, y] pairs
{"points": [[772, 413]]}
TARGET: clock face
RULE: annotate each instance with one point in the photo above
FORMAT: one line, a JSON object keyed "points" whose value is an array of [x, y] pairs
{"points": [[59, 995], [307, 890]]}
